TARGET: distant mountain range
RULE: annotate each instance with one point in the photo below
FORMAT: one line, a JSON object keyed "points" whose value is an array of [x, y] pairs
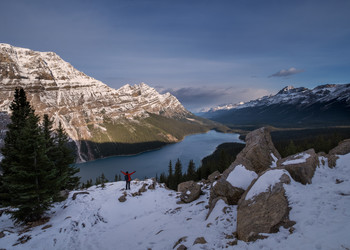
{"points": [[325, 105], [100, 120]]}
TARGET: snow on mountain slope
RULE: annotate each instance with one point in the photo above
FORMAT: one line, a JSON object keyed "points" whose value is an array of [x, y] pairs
{"points": [[154, 220], [297, 96], [89, 110]]}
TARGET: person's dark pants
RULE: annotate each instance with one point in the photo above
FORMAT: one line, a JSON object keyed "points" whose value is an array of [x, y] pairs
{"points": [[127, 185]]}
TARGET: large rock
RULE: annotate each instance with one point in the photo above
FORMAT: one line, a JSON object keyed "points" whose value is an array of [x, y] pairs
{"points": [[224, 189], [263, 208], [214, 176], [301, 166], [231, 188], [259, 153], [190, 191], [343, 148]]}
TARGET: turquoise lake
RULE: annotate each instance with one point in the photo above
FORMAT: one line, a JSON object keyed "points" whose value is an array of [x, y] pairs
{"points": [[148, 164]]}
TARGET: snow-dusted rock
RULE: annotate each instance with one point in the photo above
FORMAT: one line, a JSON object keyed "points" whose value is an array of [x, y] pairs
{"points": [[190, 191], [301, 166], [263, 208], [259, 153], [343, 148], [214, 176]]}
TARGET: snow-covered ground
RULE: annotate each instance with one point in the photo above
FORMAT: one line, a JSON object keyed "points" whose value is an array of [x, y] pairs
{"points": [[154, 220]]}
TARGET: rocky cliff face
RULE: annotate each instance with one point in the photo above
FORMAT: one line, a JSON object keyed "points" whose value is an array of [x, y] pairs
{"points": [[92, 113]]}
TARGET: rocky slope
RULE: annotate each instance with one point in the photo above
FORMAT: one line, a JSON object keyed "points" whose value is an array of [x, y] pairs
{"points": [[323, 105], [275, 209], [100, 120]]}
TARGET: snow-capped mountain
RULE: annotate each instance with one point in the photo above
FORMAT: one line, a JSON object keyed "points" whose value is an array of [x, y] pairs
{"points": [[92, 113], [325, 104]]}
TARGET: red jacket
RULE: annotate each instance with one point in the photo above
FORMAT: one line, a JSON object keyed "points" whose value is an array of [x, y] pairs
{"points": [[129, 175]]}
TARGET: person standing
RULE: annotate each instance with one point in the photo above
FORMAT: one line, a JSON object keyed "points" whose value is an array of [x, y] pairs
{"points": [[127, 178]]}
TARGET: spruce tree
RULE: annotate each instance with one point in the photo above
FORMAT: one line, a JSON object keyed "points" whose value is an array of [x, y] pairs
{"points": [[178, 173], [64, 160], [170, 180], [191, 171], [28, 173]]}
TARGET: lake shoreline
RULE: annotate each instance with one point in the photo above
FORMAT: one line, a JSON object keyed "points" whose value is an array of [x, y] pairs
{"points": [[193, 147], [157, 148]]}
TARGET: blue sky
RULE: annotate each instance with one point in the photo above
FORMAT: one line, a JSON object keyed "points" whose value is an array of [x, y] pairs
{"points": [[204, 52]]}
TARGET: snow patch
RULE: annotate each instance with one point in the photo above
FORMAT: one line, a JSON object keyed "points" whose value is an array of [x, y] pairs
{"points": [[241, 177], [274, 161], [299, 158], [266, 182]]}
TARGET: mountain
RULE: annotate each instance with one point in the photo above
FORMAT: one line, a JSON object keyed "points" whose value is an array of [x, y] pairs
{"points": [[325, 105], [101, 121]]}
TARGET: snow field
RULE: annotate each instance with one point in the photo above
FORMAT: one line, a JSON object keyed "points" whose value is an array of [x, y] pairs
{"points": [[154, 220]]}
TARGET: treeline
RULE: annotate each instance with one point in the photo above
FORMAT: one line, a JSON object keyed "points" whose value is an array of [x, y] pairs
{"points": [[37, 162], [220, 160], [295, 141]]}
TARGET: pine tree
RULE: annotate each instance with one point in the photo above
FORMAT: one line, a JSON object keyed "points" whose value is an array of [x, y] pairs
{"points": [[28, 173], [191, 171], [64, 160], [103, 180], [178, 173], [170, 181], [162, 178]]}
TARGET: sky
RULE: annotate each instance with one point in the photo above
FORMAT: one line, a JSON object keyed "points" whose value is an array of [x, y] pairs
{"points": [[205, 52]]}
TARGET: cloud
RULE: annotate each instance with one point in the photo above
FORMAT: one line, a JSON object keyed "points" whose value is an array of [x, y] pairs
{"points": [[287, 72], [199, 98]]}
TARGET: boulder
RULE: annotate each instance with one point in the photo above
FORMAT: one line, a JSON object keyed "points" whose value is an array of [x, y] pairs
{"points": [[301, 166], [231, 189], [214, 176], [153, 185], [223, 189], [181, 247], [122, 198], [76, 194], [200, 240], [343, 148], [258, 155], [190, 191], [263, 208], [143, 188]]}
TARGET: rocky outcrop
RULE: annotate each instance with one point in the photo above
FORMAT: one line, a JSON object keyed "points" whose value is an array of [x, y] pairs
{"points": [[190, 191], [224, 190], [301, 166], [263, 208], [342, 149], [259, 153], [214, 176]]}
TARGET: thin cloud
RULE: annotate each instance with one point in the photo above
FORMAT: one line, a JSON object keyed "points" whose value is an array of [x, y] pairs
{"points": [[287, 72], [196, 99]]}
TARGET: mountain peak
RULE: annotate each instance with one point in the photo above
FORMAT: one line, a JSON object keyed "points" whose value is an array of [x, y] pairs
{"points": [[88, 109]]}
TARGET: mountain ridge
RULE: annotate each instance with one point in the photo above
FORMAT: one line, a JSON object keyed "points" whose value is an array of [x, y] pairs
{"points": [[323, 105], [89, 110]]}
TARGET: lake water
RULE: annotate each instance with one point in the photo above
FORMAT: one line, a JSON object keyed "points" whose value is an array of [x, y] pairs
{"points": [[148, 164]]}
